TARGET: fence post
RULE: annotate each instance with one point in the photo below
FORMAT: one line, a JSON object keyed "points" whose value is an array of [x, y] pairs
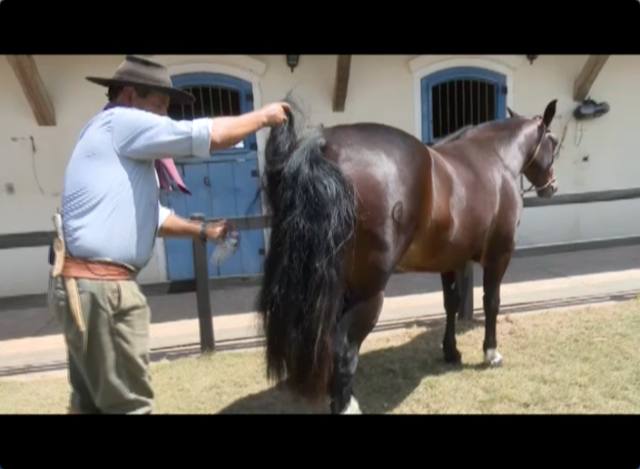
{"points": [[464, 284], [201, 271]]}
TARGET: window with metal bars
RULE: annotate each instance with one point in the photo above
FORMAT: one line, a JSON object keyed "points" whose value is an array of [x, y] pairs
{"points": [[460, 96], [211, 101], [457, 103]]}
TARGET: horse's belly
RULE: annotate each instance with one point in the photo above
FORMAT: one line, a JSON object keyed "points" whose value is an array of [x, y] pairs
{"points": [[434, 248], [419, 259]]}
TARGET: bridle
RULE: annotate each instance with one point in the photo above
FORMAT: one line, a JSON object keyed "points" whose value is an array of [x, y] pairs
{"points": [[532, 159]]}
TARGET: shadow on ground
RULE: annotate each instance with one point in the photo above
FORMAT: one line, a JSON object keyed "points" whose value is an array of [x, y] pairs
{"points": [[385, 377]]}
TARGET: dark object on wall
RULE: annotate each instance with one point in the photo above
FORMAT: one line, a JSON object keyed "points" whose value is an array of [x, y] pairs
{"points": [[589, 109]]}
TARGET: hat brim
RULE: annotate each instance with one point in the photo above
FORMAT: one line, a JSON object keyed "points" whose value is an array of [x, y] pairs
{"points": [[175, 95]]}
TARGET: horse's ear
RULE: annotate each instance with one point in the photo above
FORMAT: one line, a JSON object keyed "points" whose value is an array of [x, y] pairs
{"points": [[549, 112], [512, 113]]}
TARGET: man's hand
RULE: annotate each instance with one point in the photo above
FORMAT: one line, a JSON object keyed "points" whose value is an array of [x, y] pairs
{"points": [[275, 114], [216, 230], [177, 226]]}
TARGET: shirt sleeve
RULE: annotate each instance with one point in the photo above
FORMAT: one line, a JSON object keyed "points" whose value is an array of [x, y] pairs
{"points": [[163, 214], [143, 135]]}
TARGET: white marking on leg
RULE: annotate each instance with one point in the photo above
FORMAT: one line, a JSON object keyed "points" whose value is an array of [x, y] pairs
{"points": [[352, 407], [492, 357]]}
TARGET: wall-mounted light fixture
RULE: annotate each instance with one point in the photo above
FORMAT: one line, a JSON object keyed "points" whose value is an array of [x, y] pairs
{"points": [[292, 61]]}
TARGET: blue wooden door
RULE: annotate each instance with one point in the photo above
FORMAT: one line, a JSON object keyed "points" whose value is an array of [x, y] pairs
{"points": [[459, 96], [223, 187]]}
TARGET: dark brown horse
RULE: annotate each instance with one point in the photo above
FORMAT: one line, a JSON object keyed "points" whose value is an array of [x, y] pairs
{"points": [[353, 203]]}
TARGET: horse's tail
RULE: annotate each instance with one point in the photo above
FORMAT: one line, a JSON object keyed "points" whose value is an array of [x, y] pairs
{"points": [[313, 217]]}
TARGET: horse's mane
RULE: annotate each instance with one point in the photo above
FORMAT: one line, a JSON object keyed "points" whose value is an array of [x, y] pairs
{"points": [[454, 136], [467, 130]]}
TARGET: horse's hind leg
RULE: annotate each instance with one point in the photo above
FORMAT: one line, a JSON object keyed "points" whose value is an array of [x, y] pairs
{"points": [[451, 306], [353, 327], [493, 273]]}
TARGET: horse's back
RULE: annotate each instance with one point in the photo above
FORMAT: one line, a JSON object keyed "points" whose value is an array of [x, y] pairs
{"points": [[372, 147]]}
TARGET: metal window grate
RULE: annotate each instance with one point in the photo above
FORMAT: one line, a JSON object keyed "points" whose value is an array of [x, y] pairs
{"points": [[211, 101], [457, 103]]}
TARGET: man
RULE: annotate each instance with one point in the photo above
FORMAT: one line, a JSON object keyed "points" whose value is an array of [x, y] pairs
{"points": [[110, 217]]}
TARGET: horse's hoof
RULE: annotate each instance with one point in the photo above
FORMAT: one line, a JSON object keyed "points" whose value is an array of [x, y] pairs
{"points": [[454, 357], [352, 407], [492, 358]]}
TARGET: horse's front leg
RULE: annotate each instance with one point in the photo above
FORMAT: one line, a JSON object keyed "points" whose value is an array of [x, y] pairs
{"points": [[493, 273], [353, 327]]}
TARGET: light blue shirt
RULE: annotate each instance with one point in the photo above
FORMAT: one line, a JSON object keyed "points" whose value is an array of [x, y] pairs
{"points": [[110, 205]]}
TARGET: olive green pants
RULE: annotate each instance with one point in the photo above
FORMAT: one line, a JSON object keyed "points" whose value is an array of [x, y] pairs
{"points": [[109, 361]]}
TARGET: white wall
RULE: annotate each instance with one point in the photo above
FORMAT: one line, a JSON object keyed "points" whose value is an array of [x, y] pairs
{"points": [[609, 142], [25, 271], [381, 89]]}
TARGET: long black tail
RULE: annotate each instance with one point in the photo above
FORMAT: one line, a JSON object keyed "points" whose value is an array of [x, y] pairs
{"points": [[313, 217]]}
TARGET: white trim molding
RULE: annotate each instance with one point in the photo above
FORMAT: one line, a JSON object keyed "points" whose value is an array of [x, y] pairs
{"points": [[237, 65]]}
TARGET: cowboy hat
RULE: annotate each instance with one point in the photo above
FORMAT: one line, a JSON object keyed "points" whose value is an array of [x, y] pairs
{"points": [[138, 71]]}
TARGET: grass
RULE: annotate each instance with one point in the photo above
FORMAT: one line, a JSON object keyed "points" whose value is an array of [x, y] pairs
{"points": [[578, 361]]}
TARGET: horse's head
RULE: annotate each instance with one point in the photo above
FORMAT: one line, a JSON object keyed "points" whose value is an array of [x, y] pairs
{"points": [[538, 163]]}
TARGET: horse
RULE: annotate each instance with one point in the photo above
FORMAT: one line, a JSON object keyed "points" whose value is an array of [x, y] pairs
{"points": [[351, 204]]}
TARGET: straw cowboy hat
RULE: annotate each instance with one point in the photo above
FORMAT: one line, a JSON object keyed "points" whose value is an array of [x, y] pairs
{"points": [[138, 71]]}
